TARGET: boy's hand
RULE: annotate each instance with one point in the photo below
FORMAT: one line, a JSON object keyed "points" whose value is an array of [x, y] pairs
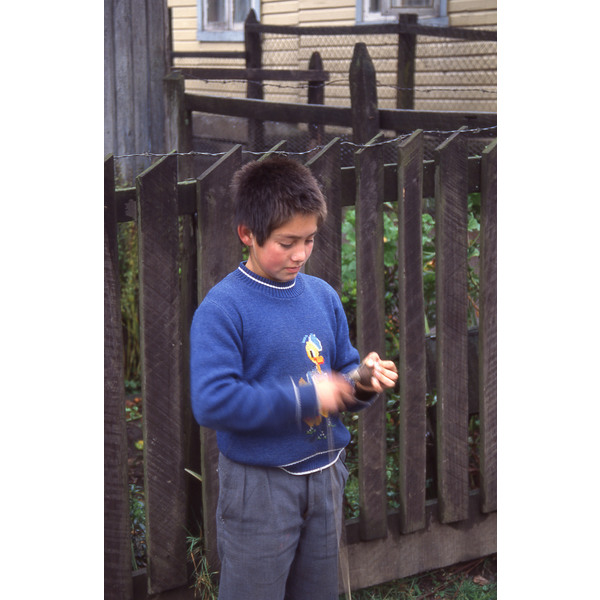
{"points": [[334, 393], [384, 374]]}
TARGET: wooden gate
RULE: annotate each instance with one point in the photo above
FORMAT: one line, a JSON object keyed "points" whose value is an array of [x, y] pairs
{"points": [[187, 244]]}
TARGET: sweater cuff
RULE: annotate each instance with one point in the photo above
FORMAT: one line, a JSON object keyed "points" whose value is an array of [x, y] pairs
{"points": [[308, 404]]}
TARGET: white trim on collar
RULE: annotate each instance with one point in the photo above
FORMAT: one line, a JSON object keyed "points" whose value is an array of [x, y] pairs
{"points": [[275, 287]]}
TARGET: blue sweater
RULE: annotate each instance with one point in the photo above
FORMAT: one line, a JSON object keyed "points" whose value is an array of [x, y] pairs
{"points": [[255, 347]]}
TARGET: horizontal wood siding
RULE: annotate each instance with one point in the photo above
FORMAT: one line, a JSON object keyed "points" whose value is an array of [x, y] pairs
{"points": [[450, 74], [281, 51], [184, 28]]}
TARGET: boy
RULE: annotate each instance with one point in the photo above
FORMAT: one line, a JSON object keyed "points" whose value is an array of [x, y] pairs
{"points": [[269, 350]]}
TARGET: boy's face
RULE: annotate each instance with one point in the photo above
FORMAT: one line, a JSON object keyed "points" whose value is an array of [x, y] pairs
{"points": [[284, 251]]}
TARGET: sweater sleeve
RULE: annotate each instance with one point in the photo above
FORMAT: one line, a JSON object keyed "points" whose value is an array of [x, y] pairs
{"points": [[221, 398]]}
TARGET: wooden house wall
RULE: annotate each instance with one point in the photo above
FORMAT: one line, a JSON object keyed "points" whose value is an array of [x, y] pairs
{"points": [[463, 78]]}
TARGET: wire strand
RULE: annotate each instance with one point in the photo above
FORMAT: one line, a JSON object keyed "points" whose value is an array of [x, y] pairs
{"points": [[304, 152]]}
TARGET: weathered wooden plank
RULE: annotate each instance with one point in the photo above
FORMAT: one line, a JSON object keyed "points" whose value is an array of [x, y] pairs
{"points": [[411, 312], [380, 28], [124, 135], [219, 253], [110, 100], [178, 122], [370, 314], [254, 89], [254, 74], [141, 115], [407, 121], [164, 451], [488, 330], [290, 112], [117, 553], [390, 191], [316, 95], [287, 112], [326, 259], [451, 315], [405, 78], [158, 42], [363, 95], [209, 54], [434, 547]]}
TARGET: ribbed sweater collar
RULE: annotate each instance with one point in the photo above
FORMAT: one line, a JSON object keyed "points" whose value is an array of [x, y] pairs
{"points": [[275, 289]]}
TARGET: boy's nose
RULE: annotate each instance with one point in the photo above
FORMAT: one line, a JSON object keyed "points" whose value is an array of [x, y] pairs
{"points": [[299, 255]]}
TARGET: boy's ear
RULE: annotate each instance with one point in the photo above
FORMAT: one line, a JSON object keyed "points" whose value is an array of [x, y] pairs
{"points": [[245, 235]]}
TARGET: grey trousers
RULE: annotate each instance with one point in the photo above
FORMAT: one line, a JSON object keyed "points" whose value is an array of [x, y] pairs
{"points": [[276, 533]]}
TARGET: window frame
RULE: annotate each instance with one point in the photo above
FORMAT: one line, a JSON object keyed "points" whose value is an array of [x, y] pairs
{"points": [[233, 32], [388, 15]]}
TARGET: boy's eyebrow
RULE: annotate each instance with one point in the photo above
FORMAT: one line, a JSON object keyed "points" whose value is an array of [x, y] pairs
{"points": [[291, 236]]}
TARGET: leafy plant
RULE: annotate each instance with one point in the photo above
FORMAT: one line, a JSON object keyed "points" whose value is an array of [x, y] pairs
{"points": [[348, 296], [137, 514], [129, 280]]}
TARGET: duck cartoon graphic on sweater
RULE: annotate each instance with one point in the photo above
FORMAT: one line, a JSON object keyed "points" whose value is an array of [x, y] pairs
{"points": [[313, 348]]}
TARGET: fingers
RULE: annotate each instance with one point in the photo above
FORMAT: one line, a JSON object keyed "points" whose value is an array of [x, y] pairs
{"points": [[385, 373], [334, 393]]}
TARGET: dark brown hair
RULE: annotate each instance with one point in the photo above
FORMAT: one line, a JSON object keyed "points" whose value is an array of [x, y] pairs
{"points": [[270, 192]]}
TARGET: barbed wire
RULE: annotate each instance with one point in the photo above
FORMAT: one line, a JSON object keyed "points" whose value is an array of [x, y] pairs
{"points": [[317, 84], [304, 152]]}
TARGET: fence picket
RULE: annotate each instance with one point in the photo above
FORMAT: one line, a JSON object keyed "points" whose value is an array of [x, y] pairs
{"points": [[117, 545], [451, 315], [487, 330], [219, 253], [363, 94], [162, 375], [370, 316], [326, 259], [398, 544], [412, 335]]}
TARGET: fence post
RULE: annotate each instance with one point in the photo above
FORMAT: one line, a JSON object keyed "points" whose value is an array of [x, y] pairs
{"points": [[370, 317], [363, 95], [487, 330], [316, 95], [219, 253], [407, 43], [178, 122], [326, 259], [451, 328], [162, 373], [117, 545], [411, 306], [254, 89]]}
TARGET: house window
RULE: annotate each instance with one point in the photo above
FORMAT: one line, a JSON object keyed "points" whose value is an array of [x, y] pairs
{"points": [[224, 19], [430, 12]]}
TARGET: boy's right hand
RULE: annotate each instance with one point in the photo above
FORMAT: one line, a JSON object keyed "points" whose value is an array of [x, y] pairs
{"points": [[334, 393]]}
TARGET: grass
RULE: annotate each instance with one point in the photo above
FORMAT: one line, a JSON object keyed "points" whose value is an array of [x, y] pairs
{"points": [[473, 580]]}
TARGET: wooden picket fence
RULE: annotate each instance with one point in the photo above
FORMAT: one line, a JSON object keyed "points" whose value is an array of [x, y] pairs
{"points": [[187, 244]]}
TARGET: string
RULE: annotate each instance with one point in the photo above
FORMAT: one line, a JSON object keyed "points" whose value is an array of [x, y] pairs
{"points": [[475, 130]]}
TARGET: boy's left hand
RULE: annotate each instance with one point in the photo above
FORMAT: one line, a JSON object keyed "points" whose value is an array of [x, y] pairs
{"points": [[384, 373]]}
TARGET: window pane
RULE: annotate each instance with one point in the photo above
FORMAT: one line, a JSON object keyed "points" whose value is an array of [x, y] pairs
{"points": [[241, 8], [215, 11], [411, 3]]}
